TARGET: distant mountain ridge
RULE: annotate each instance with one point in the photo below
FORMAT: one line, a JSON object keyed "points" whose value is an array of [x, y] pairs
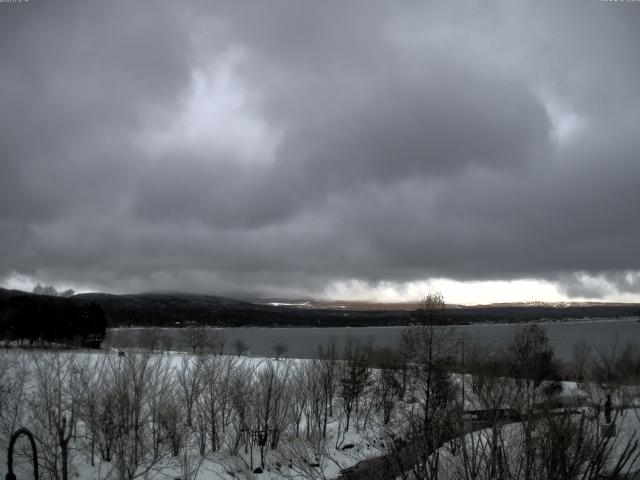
{"points": [[178, 309], [364, 305]]}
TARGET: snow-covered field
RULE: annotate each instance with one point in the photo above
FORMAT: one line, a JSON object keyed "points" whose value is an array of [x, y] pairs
{"points": [[169, 381], [176, 415]]}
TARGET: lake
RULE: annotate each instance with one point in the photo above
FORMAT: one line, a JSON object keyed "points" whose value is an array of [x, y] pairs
{"points": [[302, 342]]}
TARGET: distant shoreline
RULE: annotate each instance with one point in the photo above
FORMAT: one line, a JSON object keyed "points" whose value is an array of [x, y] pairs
{"points": [[469, 324]]}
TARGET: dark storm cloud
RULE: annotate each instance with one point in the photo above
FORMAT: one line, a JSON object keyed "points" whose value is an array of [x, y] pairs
{"points": [[77, 80], [226, 147]]}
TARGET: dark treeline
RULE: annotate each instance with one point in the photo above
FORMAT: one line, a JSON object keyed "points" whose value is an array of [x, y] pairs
{"points": [[170, 310], [175, 310], [44, 320]]}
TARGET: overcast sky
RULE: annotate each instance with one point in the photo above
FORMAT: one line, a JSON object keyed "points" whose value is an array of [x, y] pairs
{"points": [[372, 150]]}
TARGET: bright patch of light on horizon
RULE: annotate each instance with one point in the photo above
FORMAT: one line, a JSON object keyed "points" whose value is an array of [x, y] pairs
{"points": [[475, 292], [454, 291], [25, 283]]}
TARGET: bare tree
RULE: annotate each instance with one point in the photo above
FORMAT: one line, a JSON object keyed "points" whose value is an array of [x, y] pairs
{"points": [[279, 349], [390, 378], [240, 347], [171, 424], [190, 384], [299, 387], [540, 443], [316, 407], [242, 391], [563, 445], [215, 341], [616, 370], [430, 350], [218, 382], [92, 378], [195, 338], [191, 459], [151, 339], [55, 408], [45, 290], [531, 360], [493, 395], [15, 369], [430, 310], [355, 374], [161, 384], [166, 342], [580, 360], [328, 357], [131, 389], [271, 404], [105, 429]]}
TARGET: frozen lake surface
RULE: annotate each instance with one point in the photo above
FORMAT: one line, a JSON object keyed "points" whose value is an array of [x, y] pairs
{"points": [[302, 342]]}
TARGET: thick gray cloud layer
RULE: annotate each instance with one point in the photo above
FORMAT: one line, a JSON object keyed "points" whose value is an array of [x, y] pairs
{"points": [[287, 145]]}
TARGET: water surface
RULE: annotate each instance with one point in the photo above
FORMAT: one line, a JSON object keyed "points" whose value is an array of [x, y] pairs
{"points": [[302, 342]]}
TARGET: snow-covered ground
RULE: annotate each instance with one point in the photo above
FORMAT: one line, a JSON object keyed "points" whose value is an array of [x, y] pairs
{"points": [[296, 456]]}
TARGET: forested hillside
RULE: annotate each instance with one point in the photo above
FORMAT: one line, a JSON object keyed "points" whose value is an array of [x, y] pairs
{"points": [[181, 310]]}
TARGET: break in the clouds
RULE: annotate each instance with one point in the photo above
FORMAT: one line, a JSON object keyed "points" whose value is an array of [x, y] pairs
{"points": [[351, 149]]}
